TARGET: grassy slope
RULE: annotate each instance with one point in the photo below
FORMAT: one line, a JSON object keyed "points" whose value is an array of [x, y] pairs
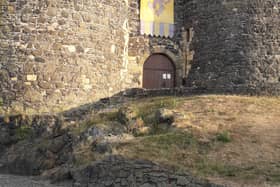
{"points": [[224, 138], [227, 139]]}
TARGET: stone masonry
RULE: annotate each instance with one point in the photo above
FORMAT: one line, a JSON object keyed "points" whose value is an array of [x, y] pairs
{"points": [[57, 54], [236, 46], [118, 171]]}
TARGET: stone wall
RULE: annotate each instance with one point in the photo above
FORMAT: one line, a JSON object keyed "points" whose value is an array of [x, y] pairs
{"points": [[57, 54], [236, 46], [61, 54], [119, 171], [142, 46]]}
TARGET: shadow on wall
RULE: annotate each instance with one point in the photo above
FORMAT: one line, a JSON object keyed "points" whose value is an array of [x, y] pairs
{"points": [[57, 145], [117, 100], [120, 98]]}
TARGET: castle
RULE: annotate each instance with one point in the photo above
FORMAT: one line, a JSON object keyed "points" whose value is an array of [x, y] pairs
{"points": [[58, 54]]}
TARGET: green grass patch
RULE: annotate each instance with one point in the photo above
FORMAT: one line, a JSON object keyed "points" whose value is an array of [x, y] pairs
{"points": [[147, 108], [167, 141], [173, 149], [1, 101], [108, 116], [224, 137], [23, 132], [95, 120], [205, 167], [1, 106], [274, 178]]}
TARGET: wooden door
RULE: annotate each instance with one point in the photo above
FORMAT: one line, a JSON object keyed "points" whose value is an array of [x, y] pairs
{"points": [[159, 72]]}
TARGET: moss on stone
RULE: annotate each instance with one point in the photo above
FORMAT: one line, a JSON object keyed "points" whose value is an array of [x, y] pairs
{"points": [[23, 132]]}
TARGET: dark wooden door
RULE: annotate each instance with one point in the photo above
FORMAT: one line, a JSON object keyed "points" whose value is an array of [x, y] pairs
{"points": [[159, 72]]}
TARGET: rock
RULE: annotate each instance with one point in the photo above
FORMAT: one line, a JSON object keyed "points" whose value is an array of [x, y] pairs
{"points": [[64, 14], [133, 92], [164, 116], [204, 140], [102, 147], [52, 12], [128, 172], [58, 143], [126, 115], [24, 181], [57, 174], [162, 127], [144, 130], [34, 155], [6, 139], [12, 121], [40, 60], [181, 180], [148, 185], [93, 134], [138, 127]]}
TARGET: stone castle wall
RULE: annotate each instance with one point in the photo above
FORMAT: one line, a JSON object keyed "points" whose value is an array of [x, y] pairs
{"points": [[55, 55], [236, 46], [58, 54], [142, 46]]}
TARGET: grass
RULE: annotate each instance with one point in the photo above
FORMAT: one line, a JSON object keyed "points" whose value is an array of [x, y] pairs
{"points": [[206, 167], [1, 101], [169, 149], [23, 132], [83, 155], [224, 137], [145, 109], [235, 138], [101, 119], [183, 152], [275, 178]]}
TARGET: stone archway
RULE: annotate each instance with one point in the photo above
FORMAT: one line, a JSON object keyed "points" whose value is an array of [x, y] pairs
{"points": [[159, 72]]}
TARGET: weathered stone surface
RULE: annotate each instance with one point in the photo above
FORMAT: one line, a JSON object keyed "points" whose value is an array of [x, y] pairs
{"points": [[118, 171], [236, 46], [126, 115], [32, 144], [68, 53], [164, 116], [15, 181], [64, 48], [49, 150]]}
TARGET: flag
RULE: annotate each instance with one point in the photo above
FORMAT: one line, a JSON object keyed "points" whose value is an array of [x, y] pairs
{"points": [[157, 17]]}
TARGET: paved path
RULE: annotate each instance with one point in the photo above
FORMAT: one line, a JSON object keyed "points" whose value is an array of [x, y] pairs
{"points": [[18, 181]]}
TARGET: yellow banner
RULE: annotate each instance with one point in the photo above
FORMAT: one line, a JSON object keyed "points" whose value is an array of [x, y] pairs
{"points": [[157, 17]]}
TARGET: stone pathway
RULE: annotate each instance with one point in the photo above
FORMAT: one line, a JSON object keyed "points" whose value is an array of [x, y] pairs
{"points": [[19, 181]]}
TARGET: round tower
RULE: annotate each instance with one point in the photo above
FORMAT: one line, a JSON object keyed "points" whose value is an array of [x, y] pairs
{"points": [[236, 45], [57, 54]]}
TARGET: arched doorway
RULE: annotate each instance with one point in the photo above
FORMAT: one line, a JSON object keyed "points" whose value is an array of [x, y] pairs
{"points": [[159, 72]]}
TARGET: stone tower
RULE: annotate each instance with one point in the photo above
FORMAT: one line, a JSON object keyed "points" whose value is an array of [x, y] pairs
{"points": [[236, 44], [57, 54]]}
